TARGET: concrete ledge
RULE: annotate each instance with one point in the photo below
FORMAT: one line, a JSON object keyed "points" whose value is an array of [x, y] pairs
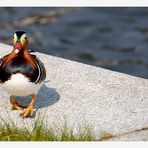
{"points": [[83, 95]]}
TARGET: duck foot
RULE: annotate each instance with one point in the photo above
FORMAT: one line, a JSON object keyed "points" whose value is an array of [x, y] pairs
{"points": [[16, 106], [27, 112]]}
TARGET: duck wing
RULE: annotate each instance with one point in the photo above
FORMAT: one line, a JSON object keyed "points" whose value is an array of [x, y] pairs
{"points": [[41, 70]]}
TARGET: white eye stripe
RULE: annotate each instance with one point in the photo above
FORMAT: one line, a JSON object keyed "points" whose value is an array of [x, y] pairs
{"points": [[15, 36], [23, 36]]}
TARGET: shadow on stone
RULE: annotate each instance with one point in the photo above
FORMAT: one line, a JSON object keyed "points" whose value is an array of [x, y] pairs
{"points": [[45, 98]]}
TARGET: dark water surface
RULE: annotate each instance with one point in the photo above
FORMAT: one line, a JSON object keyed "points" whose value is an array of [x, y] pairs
{"points": [[113, 38]]}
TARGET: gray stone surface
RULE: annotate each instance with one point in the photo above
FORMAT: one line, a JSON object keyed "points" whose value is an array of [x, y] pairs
{"points": [[84, 96], [132, 136]]}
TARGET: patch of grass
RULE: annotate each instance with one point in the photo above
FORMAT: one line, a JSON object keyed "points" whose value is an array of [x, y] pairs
{"points": [[39, 133], [9, 132], [105, 136]]}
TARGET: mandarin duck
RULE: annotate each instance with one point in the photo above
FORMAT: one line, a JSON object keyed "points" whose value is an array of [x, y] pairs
{"points": [[22, 73]]}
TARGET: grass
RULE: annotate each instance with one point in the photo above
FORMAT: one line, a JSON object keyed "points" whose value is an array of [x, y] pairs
{"points": [[9, 132], [39, 133]]}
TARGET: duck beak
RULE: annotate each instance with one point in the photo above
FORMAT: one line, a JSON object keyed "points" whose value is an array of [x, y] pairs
{"points": [[17, 47]]}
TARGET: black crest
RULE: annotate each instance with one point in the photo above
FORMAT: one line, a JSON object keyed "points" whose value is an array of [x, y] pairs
{"points": [[20, 33]]}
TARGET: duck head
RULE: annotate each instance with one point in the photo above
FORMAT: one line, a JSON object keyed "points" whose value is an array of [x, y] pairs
{"points": [[20, 41]]}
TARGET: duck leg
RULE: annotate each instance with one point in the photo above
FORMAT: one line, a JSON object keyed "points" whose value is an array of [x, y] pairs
{"points": [[15, 106], [29, 110]]}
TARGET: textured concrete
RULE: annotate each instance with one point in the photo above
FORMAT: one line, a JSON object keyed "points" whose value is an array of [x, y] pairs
{"points": [[132, 136], [84, 96]]}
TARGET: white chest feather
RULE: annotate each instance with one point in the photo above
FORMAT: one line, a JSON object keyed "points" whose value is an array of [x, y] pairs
{"points": [[19, 85]]}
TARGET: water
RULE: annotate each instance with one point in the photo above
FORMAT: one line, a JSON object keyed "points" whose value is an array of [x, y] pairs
{"points": [[113, 38]]}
